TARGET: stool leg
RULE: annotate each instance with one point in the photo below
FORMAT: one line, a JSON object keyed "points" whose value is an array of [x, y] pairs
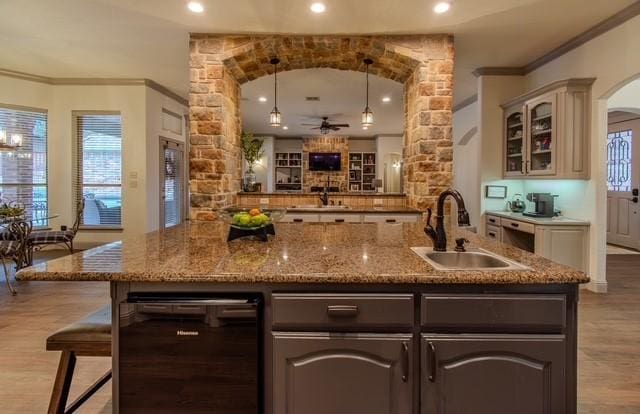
{"points": [[62, 384], [7, 276]]}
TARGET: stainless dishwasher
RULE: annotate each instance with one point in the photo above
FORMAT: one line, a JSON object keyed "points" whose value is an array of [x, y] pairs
{"points": [[190, 354]]}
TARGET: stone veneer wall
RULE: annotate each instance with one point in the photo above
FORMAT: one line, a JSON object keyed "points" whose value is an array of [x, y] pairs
{"points": [[319, 179], [220, 63]]}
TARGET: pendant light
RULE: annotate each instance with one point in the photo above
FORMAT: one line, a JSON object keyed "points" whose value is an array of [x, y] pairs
{"points": [[367, 115], [275, 118]]}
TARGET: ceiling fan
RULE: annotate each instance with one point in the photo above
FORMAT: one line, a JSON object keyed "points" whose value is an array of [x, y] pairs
{"points": [[325, 127]]}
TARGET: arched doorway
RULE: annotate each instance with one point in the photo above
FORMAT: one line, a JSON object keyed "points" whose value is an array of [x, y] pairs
{"points": [[220, 64]]}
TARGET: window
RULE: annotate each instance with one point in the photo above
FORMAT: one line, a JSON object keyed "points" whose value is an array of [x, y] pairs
{"points": [[99, 167], [23, 170], [619, 161]]}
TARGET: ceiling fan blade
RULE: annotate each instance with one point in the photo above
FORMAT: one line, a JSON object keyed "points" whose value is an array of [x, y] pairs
{"points": [[341, 125], [309, 124], [317, 128]]}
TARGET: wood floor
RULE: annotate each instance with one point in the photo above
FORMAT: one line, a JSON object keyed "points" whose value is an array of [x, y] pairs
{"points": [[609, 344]]}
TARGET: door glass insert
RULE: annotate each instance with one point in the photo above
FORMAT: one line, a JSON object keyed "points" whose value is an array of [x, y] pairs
{"points": [[514, 142], [172, 187], [541, 136], [619, 161]]}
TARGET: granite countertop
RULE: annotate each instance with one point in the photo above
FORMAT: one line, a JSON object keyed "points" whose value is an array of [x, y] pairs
{"points": [[377, 253], [542, 221]]}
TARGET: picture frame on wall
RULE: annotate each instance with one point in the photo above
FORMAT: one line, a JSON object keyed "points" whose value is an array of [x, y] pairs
{"points": [[495, 191]]}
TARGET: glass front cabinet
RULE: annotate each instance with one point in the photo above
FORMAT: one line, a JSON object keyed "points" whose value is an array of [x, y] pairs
{"points": [[546, 132]]}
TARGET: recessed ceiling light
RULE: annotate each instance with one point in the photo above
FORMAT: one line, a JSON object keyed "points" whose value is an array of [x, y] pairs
{"points": [[285, 127], [195, 6], [318, 7], [386, 99], [365, 127], [262, 99], [442, 7]]}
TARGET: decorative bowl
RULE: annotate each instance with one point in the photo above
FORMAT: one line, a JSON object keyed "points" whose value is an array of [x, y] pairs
{"points": [[251, 218]]}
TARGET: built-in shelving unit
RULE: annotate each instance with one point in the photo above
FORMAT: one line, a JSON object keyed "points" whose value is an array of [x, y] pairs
{"points": [[546, 132], [288, 175], [362, 171]]}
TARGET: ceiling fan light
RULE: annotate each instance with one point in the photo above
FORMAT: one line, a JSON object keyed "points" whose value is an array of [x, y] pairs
{"points": [[367, 117], [275, 118]]}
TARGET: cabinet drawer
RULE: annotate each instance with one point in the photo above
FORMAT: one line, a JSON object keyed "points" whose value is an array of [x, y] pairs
{"points": [[493, 313], [300, 218], [493, 233], [518, 225], [342, 311], [340, 218], [493, 220], [391, 218]]}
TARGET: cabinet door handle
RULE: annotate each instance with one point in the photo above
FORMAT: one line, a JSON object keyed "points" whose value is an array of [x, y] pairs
{"points": [[492, 220], [405, 362], [390, 220], [492, 234], [339, 220], [297, 220], [515, 225], [342, 311], [431, 357]]}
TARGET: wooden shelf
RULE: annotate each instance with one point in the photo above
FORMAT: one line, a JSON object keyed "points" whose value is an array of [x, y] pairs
{"points": [[515, 139], [541, 152], [515, 125], [514, 155], [540, 118], [546, 131]]}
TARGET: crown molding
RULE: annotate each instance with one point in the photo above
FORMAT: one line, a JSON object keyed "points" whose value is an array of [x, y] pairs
{"points": [[96, 82], [604, 26], [565, 83], [600, 28], [499, 71], [466, 102]]}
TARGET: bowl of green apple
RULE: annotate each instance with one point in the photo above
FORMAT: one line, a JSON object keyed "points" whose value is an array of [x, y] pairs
{"points": [[251, 218]]}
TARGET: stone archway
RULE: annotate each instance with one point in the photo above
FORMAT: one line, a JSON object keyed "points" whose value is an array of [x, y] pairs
{"points": [[219, 64]]}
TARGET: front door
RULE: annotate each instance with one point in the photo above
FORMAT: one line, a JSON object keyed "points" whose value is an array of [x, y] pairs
{"points": [[623, 178], [171, 183]]}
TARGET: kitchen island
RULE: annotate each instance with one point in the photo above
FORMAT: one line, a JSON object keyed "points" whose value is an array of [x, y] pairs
{"points": [[352, 320]]}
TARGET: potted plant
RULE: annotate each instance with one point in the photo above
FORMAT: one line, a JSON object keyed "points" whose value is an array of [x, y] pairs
{"points": [[252, 152]]}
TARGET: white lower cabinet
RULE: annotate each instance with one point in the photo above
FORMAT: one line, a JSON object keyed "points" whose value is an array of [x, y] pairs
{"points": [[294, 217], [340, 218], [391, 218]]}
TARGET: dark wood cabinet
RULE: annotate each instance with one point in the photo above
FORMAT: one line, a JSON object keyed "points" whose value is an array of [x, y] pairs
{"points": [[493, 374], [337, 373]]}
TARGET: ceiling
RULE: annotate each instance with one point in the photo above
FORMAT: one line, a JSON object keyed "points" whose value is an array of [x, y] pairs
{"points": [[342, 99], [149, 38]]}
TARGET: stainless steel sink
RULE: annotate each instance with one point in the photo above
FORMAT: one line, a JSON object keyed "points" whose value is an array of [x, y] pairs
{"points": [[472, 259], [317, 207]]}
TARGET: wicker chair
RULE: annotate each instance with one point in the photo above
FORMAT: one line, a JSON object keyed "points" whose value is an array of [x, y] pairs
{"points": [[13, 246], [40, 239]]}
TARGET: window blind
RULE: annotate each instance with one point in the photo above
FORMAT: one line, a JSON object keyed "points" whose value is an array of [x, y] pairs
{"points": [[98, 170], [23, 170]]}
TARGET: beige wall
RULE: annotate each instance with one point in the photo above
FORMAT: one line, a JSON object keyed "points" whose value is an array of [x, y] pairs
{"points": [[611, 59], [140, 108], [466, 159]]}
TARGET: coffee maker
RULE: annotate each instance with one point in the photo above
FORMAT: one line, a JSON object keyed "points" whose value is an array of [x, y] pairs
{"points": [[544, 205]]}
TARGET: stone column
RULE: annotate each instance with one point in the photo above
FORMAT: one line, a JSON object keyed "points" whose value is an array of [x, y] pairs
{"points": [[215, 154]]}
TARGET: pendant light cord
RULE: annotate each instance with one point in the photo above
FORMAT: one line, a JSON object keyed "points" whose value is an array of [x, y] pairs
{"points": [[275, 85], [367, 85]]}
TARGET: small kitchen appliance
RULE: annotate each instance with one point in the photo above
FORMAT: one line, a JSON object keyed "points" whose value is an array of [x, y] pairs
{"points": [[544, 205], [516, 204]]}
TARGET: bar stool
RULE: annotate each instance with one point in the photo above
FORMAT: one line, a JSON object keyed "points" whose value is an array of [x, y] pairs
{"points": [[90, 336]]}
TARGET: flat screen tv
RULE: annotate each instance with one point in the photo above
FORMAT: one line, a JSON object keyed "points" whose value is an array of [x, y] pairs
{"points": [[325, 161]]}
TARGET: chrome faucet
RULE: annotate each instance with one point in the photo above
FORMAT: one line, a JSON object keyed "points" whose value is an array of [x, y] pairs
{"points": [[438, 234], [325, 194]]}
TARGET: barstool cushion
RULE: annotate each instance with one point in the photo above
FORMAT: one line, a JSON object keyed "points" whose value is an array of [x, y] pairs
{"points": [[92, 333], [51, 236]]}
